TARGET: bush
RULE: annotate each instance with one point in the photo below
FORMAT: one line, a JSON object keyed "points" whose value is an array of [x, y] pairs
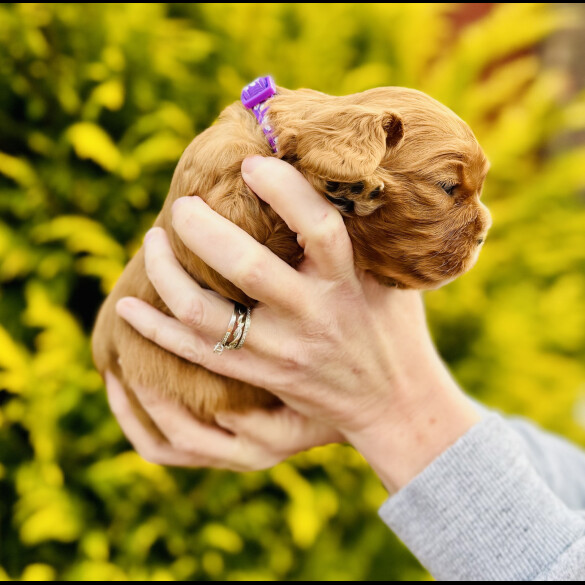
{"points": [[97, 102]]}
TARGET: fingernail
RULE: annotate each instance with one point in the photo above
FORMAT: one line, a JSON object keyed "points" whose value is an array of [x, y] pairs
{"points": [[251, 163], [111, 385], [224, 419], [115, 393], [126, 306], [184, 200], [178, 203], [150, 234]]}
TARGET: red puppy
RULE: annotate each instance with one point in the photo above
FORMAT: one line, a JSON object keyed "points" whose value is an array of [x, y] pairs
{"points": [[405, 172]]}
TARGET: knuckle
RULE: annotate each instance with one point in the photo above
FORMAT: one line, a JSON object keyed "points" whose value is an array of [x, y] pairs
{"points": [[318, 325], [251, 272], [293, 357], [189, 349], [330, 232], [152, 332], [323, 339], [180, 442], [304, 300], [192, 312]]}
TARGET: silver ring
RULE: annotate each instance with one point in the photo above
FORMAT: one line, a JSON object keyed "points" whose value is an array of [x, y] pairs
{"points": [[233, 344], [237, 329], [220, 344], [246, 327]]}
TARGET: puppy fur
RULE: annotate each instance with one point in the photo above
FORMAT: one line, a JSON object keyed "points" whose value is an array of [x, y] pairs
{"points": [[405, 172]]}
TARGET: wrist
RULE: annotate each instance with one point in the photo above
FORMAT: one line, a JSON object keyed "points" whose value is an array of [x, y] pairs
{"points": [[410, 435]]}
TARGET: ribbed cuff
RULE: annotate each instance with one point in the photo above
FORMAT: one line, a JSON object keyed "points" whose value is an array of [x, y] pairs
{"points": [[480, 511]]}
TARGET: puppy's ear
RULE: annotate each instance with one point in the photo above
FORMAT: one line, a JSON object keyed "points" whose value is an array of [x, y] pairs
{"points": [[345, 144]]}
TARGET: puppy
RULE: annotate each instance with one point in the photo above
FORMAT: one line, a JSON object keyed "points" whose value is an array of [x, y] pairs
{"points": [[405, 172]]}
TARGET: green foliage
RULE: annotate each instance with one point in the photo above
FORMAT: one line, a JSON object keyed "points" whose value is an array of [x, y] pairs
{"points": [[97, 102]]}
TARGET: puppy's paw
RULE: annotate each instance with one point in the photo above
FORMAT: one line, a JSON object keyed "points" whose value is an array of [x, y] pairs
{"points": [[360, 198]]}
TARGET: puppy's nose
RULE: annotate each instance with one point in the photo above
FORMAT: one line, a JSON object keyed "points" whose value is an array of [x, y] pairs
{"points": [[486, 216]]}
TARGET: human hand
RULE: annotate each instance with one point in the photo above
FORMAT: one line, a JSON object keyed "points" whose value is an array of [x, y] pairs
{"points": [[245, 442], [331, 342]]}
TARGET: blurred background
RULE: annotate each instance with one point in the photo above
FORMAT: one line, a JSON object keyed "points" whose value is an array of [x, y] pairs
{"points": [[97, 103]]}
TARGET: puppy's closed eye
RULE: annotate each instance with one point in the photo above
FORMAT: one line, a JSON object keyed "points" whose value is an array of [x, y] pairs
{"points": [[449, 188]]}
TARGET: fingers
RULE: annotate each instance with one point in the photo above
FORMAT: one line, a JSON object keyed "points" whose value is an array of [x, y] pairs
{"points": [[283, 429], [184, 432], [259, 439], [319, 225], [194, 306], [235, 254], [145, 443], [184, 342], [202, 310]]}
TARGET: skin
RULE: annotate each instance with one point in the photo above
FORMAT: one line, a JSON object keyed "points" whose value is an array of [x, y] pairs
{"points": [[351, 359]]}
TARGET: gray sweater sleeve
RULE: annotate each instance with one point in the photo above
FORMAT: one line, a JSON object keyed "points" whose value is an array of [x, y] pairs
{"points": [[491, 507], [560, 463]]}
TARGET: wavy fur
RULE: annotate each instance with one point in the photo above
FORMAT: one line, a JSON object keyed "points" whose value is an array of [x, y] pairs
{"points": [[404, 170]]}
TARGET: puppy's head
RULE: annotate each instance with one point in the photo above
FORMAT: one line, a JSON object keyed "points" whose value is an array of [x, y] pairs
{"points": [[403, 169]]}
